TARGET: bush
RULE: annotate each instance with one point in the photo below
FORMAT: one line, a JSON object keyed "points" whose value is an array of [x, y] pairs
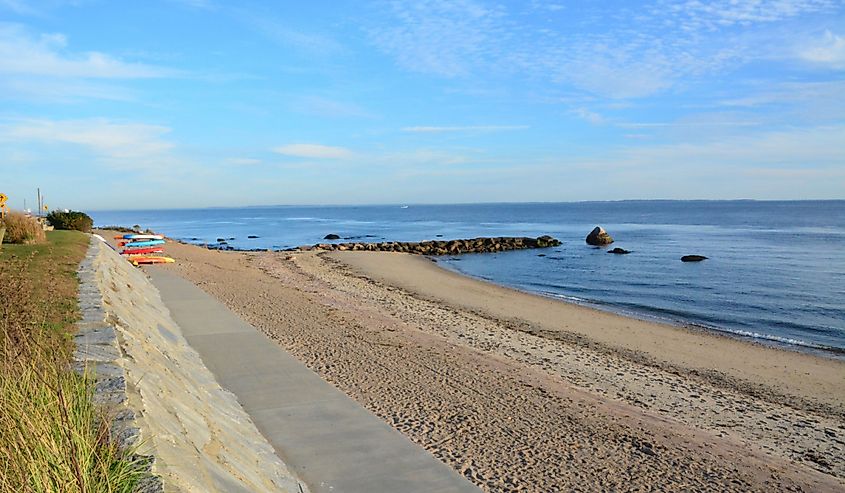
{"points": [[75, 220], [23, 229]]}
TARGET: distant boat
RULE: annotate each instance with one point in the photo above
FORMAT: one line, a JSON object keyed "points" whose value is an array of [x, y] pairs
{"points": [[404, 207]]}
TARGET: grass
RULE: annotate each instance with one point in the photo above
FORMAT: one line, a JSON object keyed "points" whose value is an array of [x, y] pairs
{"points": [[52, 438]]}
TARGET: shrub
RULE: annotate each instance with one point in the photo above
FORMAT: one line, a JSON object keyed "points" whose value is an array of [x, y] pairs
{"points": [[21, 228], [76, 220]]}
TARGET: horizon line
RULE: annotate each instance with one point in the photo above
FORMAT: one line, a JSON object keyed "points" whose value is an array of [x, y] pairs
{"points": [[429, 204]]}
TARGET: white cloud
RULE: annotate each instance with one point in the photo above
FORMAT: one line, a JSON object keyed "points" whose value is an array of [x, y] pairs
{"points": [[828, 51], [18, 7], [640, 51], [314, 151], [590, 116], [46, 55], [464, 128], [119, 145]]}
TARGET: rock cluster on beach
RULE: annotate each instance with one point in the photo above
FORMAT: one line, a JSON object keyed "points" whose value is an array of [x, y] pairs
{"points": [[436, 247], [599, 237]]}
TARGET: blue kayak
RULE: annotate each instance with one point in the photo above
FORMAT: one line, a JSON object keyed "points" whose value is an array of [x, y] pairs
{"points": [[139, 236], [139, 244]]}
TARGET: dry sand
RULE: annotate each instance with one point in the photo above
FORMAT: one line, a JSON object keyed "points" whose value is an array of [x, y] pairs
{"points": [[523, 393]]}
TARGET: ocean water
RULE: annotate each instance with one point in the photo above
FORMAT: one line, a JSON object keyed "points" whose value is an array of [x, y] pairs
{"points": [[775, 273]]}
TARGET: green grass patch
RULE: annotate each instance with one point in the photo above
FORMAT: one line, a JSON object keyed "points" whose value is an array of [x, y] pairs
{"points": [[52, 438]]}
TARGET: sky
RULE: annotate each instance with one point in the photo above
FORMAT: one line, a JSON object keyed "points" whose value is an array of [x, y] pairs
{"points": [[197, 103]]}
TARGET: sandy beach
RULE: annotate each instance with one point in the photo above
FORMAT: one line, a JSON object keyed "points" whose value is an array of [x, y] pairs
{"points": [[523, 393]]}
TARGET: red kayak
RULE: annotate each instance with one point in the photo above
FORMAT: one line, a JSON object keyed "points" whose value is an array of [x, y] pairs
{"points": [[135, 251]]}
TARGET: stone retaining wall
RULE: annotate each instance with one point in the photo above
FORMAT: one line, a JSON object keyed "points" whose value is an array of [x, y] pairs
{"points": [[98, 353], [200, 436]]}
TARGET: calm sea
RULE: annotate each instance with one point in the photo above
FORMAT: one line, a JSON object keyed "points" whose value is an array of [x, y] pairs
{"points": [[776, 270]]}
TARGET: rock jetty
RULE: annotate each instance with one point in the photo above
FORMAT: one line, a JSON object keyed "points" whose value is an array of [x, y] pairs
{"points": [[599, 237], [437, 247]]}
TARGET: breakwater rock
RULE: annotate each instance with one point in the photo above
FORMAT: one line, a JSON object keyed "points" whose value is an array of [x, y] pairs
{"points": [[441, 247]]}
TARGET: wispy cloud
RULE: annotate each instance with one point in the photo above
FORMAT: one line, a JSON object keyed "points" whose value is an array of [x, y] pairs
{"points": [[713, 15], [118, 145], [443, 37], [284, 33], [42, 67], [590, 116], [18, 7], [464, 128], [314, 151], [196, 4], [814, 147], [329, 107], [638, 52], [828, 51], [243, 161], [22, 53]]}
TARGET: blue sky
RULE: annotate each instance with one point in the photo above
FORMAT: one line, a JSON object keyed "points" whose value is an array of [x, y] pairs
{"points": [[192, 103]]}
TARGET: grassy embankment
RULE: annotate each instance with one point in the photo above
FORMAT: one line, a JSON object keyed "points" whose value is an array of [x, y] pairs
{"points": [[52, 438]]}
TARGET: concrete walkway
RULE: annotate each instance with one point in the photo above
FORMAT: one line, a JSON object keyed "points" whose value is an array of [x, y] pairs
{"points": [[330, 441]]}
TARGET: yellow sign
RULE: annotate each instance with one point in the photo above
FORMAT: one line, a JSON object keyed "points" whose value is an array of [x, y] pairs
{"points": [[3, 199], [46, 208]]}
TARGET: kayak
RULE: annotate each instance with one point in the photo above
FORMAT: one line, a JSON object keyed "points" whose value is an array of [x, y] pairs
{"points": [[151, 260], [139, 237], [138, 244], [139, 251]]}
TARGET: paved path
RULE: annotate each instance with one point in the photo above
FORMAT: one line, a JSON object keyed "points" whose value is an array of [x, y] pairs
{"points": [[326, 438]]}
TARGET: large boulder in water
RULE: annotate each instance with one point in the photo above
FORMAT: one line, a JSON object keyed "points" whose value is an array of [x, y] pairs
{"points": [[693, 258], [331, 236], [599, 237], [619, 251]]}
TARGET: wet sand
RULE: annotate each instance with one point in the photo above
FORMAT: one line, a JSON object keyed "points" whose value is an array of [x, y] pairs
{"points": [[522, 393]]}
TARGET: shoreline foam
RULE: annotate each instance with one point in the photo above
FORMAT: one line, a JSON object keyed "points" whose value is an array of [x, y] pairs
{"points": [[645, 314], [388, 269]]}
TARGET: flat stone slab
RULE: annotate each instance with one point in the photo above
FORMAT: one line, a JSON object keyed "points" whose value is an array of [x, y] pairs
{"points": [[326, 438], [96, 352]]}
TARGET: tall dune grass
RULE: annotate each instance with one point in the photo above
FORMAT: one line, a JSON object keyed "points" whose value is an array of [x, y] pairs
{"points": [[22, 229], [52, 438]]}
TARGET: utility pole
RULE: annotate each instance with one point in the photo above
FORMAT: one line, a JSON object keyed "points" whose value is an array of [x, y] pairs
{"points": [[39, 201]]}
